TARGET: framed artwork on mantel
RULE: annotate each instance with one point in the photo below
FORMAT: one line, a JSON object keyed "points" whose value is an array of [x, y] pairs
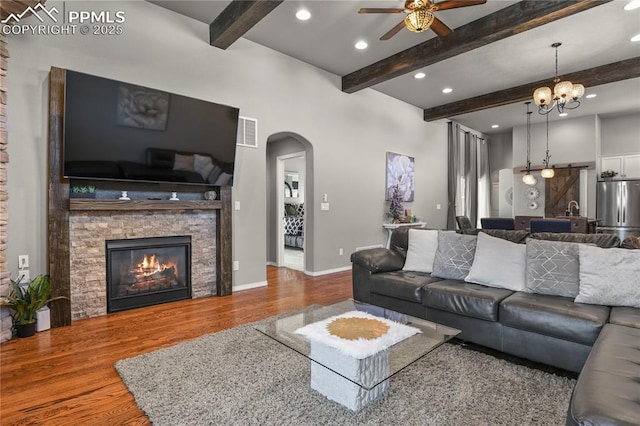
{"points": [[400, 170]]}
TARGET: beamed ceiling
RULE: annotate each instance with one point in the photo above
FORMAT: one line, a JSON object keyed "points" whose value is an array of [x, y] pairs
{"points": [[498, 53]]}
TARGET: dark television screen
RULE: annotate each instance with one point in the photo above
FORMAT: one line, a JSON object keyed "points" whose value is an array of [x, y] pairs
{"points": [[120, 131]]}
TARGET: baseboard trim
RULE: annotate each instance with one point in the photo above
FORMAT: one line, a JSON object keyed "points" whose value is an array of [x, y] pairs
{"points": [[327, 271], [249, 286], [272, 264]]}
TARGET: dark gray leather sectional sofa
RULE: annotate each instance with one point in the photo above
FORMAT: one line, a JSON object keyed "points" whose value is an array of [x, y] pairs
{"points": [[599, 342]]}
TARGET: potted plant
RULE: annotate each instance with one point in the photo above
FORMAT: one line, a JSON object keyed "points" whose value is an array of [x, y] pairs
{"points": [[396, 211], [25, 302], [83, 192], [608, 174]]}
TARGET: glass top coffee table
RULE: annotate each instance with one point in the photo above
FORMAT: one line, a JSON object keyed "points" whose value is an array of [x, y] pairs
{"points": [[355, 381]]}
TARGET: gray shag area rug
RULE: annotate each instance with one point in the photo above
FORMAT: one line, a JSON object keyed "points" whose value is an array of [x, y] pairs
{"points": [[241, 377]]}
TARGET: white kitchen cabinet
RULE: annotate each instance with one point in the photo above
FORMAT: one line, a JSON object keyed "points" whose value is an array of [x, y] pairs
{"points": [[627, 166]]}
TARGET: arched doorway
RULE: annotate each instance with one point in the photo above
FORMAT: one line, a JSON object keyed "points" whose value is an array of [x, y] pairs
{"points": [[286, 149]]}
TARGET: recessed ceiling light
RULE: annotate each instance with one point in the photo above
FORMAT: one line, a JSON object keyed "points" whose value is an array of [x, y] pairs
{"points": [[447, 90], [420, 75], [635, 37], [591, 96], [563, 114], [632, 5], [303, 14], [361, 45], [495, 126]]}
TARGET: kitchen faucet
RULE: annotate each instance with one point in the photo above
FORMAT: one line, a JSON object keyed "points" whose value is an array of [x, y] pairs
{"points": [[569, 211]]}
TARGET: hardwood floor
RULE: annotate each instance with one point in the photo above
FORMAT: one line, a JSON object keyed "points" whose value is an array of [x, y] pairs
{"points": [[65, 376]]}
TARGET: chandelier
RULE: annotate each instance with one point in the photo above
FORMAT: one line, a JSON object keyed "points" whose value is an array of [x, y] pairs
{"points": [[565, 94], [547, 172], [528, 178], [419, 17]]}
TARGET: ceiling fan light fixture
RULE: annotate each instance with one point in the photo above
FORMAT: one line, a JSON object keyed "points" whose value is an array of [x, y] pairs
{"points": [[419, 20]]}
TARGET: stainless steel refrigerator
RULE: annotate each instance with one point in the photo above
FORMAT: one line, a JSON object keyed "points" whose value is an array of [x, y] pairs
{"points": [[618, 207]]}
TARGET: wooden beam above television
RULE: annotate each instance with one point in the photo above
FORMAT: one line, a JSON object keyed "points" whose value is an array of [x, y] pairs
{"points": [[504, 23], [610, 73], [238, 18]]}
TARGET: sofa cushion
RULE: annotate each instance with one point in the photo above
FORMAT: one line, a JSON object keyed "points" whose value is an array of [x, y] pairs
{"points": [[609, 276], [630, 242], [404, 285], [454, 255], [601, 240], [625, 316], [608, 389], [422, 250], [517, 236], [554, 316], [553, 268], [471, 300], [512, 256]]}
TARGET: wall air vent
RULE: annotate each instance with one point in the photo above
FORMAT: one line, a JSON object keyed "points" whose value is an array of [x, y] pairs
{"points": [[248, 132]]}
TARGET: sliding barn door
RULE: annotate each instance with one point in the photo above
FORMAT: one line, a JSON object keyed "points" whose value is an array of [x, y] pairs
{"points": [[562, 188]]}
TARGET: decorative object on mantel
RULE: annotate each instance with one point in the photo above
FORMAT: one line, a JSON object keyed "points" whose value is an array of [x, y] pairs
{"points": [[548, 171], [565, 93], [608, 174], [124, 196], [25, 302], [400, 171], [528, 178], [82, 192], [210, 195], [174, 197], [395, 207]]}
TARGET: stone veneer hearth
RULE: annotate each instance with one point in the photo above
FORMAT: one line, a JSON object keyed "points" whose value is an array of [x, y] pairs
{"points": [[88, 232]]}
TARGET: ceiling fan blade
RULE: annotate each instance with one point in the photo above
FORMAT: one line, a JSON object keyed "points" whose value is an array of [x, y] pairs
{"points": [[393, 31], [440, 28], [379, 10], [453, 4]]}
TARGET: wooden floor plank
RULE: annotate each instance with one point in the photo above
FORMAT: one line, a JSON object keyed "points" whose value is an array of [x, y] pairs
{"points": [[65, 376]]}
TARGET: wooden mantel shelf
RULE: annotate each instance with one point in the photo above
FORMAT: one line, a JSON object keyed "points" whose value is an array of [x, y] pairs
{"points": [[83, 204]]}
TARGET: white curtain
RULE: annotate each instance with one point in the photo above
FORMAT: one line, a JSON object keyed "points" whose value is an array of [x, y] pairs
{"points": [[484, 181]]}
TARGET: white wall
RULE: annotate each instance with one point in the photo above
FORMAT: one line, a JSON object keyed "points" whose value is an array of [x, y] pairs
{"points": [[160, 49], [620, 135]]}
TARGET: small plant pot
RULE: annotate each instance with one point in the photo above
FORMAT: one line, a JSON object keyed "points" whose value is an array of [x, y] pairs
{"points": [[26, 330]]}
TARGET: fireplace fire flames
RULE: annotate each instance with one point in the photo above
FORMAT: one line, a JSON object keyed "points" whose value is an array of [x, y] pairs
{"points": [[150, 274]]}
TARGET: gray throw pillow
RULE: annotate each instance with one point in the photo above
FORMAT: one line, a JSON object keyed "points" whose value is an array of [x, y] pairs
{"points": [[454, 255], [609, 277], [553, 268]]}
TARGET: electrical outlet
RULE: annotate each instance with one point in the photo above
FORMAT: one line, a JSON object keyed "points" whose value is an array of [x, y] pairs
{"points": [[23, 261], [24, 276], [438, 206], [237, 205], [340, 251], [324, 206], [236, 265]]}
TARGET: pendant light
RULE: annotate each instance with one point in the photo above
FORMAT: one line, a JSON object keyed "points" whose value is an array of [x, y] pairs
{"points": [[547, 172], [528, 178]]}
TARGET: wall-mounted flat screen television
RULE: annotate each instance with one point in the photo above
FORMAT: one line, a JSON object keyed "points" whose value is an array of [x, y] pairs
{"points": [[120, 131]]}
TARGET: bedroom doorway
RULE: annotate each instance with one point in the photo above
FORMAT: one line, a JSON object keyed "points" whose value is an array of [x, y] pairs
{"points": [[291, 177]]}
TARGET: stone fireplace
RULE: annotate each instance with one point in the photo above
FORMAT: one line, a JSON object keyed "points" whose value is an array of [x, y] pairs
{"points": [[147, 271], [165, 233]]}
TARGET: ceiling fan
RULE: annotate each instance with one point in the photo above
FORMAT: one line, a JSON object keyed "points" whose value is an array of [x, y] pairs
{"points": [[420, 15]]}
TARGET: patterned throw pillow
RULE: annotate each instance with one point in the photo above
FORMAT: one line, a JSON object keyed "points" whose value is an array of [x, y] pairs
{"points": [[553, 267], [454, 255], [609, 276]]}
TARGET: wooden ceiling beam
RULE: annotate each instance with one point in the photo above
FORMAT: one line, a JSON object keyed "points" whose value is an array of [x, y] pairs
{"points": [[610, 73], [504, 23], [238, 18]]}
